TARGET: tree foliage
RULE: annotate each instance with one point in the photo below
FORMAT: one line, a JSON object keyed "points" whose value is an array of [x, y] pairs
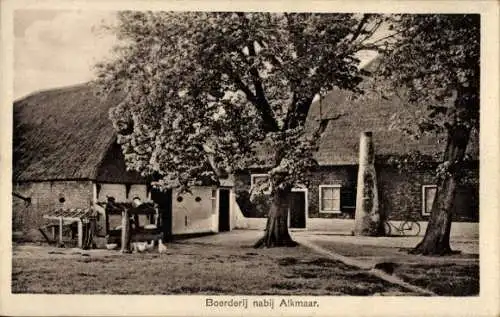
{"points": [[203, 90], [429, 61], [435, 58]]}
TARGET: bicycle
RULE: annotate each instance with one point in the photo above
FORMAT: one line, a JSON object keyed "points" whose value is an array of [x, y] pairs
{"points": [[405, 228]]}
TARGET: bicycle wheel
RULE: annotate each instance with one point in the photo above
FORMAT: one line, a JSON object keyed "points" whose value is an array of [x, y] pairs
{"points": [[410, 228], [387, 228]]}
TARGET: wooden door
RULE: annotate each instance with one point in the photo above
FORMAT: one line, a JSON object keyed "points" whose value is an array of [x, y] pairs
{"points": [[297, 210], [164, 201], [224, 212]]}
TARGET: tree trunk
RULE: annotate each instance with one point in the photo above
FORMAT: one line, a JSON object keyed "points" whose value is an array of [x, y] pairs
{"points": [[276, 233], [437, 236]]}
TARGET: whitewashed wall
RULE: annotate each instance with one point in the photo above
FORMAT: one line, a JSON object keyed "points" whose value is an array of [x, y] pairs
{"points": [[119, 191], [191, 216], [138, 190]]}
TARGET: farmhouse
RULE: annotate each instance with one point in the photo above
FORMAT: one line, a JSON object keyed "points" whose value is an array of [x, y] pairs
{"points": [[65, 156], [331, 190]]}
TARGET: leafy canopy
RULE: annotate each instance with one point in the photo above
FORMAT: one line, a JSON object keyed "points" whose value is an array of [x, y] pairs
{"points": [[433, 62], [435, 58], [205, 90]]}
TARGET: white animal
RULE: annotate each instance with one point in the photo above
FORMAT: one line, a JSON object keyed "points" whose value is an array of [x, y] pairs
{"points": [[161, 247], [150, 246], [139, 246]]}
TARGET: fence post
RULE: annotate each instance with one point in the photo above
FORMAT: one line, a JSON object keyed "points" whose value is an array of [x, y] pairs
{"points": [[80, 233], [60, 231]]}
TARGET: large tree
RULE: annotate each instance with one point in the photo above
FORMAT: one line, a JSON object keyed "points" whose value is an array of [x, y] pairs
{"points": [[204, 91], [435, 59]]}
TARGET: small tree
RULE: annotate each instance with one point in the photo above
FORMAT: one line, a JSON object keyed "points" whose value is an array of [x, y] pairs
{"points": [[435, 58], [204, 91]]}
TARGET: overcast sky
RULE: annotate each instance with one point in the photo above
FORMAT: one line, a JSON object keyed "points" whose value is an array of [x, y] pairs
{"points": [[59, 48]]}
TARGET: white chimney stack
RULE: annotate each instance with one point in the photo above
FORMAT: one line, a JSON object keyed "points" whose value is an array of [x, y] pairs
{"points": [[368, 221]]}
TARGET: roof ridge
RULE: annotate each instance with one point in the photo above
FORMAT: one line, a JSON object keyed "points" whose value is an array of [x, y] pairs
{"points": [[53, 89]]}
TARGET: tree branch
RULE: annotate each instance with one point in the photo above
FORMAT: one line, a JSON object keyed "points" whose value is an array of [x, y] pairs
{"points": [[387, 37], [297, 113], [270, 123], [259, 89], [323, 124], [359, 29], [369, 33]]}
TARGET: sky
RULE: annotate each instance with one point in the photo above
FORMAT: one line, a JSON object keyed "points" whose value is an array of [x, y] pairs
{"points": [[59, 48]]}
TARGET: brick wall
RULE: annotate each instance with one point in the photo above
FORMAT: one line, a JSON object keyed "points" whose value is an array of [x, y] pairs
{"points": [[346, 177], [400, 194], [258, 207], [44, 197]]}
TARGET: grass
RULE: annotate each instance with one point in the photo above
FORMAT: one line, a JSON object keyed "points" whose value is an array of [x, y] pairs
{"points": [[443, 279], [454, 275], [190, 268]]}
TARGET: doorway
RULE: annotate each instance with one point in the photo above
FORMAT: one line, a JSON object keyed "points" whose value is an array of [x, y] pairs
{"points": [[224, 210], [297, 210], [164, 201]]}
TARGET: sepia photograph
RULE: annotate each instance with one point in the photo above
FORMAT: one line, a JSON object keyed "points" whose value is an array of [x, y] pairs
{"points": [[258, 160]]}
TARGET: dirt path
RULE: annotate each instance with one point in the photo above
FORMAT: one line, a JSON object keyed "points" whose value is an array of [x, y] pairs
{"points": [[364, 265], [464, 245]]}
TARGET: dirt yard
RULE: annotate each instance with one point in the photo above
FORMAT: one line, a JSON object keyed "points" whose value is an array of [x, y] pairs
{"points": [[189, 268], [227, 264]]}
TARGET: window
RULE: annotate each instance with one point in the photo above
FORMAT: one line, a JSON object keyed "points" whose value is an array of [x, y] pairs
{"points": [[428, 194], [329, 198], [260, 180]]}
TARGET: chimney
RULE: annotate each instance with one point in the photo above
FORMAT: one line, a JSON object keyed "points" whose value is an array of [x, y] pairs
{"points": [[368, 221]]}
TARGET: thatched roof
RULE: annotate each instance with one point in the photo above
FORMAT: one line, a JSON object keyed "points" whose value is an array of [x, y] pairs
{"points": [[65, 134], [351, 115], [339, 144]]}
